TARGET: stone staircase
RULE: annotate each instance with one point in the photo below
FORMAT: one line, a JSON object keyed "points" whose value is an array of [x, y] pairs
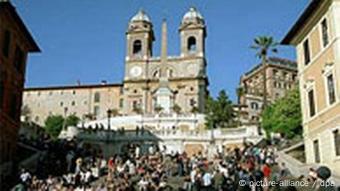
{"points": [[298, 168]]}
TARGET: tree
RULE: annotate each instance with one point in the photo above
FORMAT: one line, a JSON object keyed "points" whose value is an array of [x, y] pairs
{"points": [[177, 109], [240, 91], [158, 108], [114, 112], [195, 110], [72, 120], [137, 110], [54, 124], [219, 111], [284, 116], [263, 45]]}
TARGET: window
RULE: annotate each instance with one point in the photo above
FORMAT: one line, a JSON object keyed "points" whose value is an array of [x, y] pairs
{"points": [[74, 92], [336, 135], [6, 43], [311, 103], [61, 103], [135, 104], [96, 111], [324, 30], [97, 97], [254, 105], [192, 102], [170, 73], [73, 103], [306, 52], [275, 72], [137, 47], [19, 59], [192, 44], [331, 89], [121, 103], [316, 151], [121, 90]]}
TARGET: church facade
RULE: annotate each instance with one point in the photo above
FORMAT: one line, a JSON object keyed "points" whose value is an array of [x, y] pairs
{"points": [[151, 85]]}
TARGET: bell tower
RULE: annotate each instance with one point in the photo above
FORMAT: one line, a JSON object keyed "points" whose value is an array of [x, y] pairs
{"points": [[193, 34], [140, 37]]}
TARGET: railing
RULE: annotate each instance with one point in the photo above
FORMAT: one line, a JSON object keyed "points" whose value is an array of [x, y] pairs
{"points": [[167, 134]]}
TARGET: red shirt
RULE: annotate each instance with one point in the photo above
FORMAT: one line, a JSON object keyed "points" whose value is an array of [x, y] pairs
{"points": [[266, 171]]}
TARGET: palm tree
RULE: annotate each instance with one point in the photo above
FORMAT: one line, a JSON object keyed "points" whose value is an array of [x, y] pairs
{"points": [[263, 45], [240, 91]]}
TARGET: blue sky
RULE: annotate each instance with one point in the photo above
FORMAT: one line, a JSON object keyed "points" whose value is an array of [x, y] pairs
{"points": [[85, 39]]}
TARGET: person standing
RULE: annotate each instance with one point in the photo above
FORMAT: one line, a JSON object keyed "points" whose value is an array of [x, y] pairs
{"points": [[266, 173]]}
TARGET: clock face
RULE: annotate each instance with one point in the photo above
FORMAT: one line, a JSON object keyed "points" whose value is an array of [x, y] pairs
{"points": [[135, 71]]}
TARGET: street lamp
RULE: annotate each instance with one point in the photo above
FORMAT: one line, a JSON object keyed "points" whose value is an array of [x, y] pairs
{"points": [[109, 113]]}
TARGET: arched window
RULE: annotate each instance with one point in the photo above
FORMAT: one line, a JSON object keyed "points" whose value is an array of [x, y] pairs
{"points": [[254, 105], [137, 47], [192, 44]]}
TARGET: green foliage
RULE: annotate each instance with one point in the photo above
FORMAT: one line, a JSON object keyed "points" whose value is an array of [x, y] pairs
{"points": [[284, 116], [54, 124], [219, 111], [158, 108], [72, 120], [263, 45], [177, 109], [137, 110], [195, 110]]}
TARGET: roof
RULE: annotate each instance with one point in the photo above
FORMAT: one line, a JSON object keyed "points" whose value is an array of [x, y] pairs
{"points": [[141, 16], [313, 5], [6, 5], [72, 87], [276, 61], [192, 15]]}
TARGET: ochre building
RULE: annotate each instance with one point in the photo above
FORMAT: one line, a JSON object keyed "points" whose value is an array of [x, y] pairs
{"points": [[316, 38], [281, 76]]}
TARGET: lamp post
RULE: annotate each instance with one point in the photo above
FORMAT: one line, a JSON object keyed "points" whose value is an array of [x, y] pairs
{"points": [[109, 113]]}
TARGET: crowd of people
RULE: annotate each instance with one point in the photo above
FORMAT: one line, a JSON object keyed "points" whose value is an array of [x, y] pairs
{"points": [[68, 165]]}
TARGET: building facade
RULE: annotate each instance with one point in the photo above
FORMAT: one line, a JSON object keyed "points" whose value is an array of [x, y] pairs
{"points": [[15, 43], [281, 77], [151, 84], [316, 38], [84, 101]]}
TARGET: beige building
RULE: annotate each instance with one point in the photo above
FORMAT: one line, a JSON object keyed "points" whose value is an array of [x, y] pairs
{"points": [[316, 37], [281, 77], [80, 100], [150, 83]]}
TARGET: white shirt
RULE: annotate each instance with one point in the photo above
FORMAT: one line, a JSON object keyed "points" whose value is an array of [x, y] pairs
{"points": [[25, 176], [193, 176], [207, 179]]}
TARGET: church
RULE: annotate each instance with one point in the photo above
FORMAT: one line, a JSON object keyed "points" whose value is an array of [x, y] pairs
{"points": [[163, 84]]}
